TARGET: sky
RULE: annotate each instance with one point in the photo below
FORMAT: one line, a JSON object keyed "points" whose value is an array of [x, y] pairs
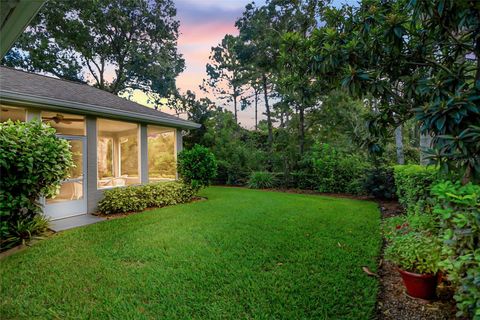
{"points": [[203, 24]]}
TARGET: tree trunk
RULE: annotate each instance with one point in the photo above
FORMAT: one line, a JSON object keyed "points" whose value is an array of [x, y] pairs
{"points": [[256, 109], [399, 145], [302, 129], [267, 111], [425, 144], [235, 108]]}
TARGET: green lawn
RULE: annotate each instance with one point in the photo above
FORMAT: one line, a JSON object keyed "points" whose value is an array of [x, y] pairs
{"points": [[241, 254]]}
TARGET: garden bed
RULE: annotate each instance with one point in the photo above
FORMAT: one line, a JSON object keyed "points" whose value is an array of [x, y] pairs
{"points": [[393, 302]]}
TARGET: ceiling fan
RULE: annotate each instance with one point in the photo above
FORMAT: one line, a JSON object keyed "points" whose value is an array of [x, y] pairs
{"points": [[60, 118]]}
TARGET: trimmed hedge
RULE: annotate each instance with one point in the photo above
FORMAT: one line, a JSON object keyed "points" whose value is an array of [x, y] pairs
{"points": [[139, 198], [413, 183]]}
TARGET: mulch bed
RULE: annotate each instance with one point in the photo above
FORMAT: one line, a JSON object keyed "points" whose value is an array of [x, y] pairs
{"points": [[393, 303]]}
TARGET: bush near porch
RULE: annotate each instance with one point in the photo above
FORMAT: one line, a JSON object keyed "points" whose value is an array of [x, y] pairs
{"points": [[33, 162], [138, 198]]}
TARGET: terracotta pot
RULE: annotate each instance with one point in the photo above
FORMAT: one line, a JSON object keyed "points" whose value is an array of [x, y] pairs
{"points": [[421, 286]]}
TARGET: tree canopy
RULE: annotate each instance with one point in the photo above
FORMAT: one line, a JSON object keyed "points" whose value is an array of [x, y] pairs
{"points": [[116, 45]]}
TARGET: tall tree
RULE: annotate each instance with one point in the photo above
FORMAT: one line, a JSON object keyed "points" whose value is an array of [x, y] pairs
{"points": [[417, 59], [260, 50], [226, 75], [114, 44]]}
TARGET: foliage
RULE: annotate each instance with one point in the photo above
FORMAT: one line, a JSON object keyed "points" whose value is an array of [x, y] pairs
{"points": [[389, 50], [136, 43], [237, 150], [339, 122], [459, 210], [216, 245], [226, 75], [413, 183], [33, 162], [197, 166], [380, 182], [337, 172], [415, 252], [261, 180], [23, 231], [138, 198], [410, 223]]}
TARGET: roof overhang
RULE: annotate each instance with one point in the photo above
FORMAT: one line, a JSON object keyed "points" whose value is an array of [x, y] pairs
{"points": [[15, 15], [32, 101]]}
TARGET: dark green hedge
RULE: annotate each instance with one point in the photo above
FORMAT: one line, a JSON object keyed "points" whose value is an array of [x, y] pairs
{"points": [[138, 198], [413, 183]]}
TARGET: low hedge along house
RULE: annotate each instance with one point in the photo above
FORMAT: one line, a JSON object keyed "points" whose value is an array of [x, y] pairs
{"points": [[115, 142]]}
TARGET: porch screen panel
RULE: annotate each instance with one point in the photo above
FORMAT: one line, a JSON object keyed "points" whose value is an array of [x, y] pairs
{"points": [[162, 156], [117, 153]]}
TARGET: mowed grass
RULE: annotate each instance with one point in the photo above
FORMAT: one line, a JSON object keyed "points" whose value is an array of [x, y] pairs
{"points": [[242, 254]]}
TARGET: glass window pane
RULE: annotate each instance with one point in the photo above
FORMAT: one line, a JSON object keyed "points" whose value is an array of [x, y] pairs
{"points": [[105, 158], [76, 146], [162, 159], [64, 123], [68, 191], [117, 153], [12, 113]]}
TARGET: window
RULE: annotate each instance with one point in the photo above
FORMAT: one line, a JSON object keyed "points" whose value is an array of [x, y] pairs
{"points": [[64, 123], [117, 153], [12, 113], [162, 156], [72, 188]]}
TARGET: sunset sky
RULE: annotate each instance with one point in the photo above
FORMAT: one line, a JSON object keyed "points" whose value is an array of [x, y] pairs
{"points": [[203, 24]]}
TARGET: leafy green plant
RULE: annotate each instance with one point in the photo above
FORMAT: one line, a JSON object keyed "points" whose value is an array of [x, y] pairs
{"points": [[412, 222], [380, 183], [23, 231], [414, 252], [413, 184], [33, 162], [197, 166], [138, 198], [337, 172], [459, 210], [261, 180]]}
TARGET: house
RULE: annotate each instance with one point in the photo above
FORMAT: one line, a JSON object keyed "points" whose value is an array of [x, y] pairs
{"points": [[115, 142]]}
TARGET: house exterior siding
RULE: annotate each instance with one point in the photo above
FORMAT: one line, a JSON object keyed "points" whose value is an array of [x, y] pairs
{"points": [[92, 193]]}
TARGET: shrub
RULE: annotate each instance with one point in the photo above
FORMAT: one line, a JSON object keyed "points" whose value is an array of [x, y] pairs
{"points": [[24, 230], [336, 172], [304, 180], [459, 209], [414, 252], [33, 162], [197, 166], [230, 174], [261, 180], [416, 223], [380, 183], [138, 198], [413, 184]]}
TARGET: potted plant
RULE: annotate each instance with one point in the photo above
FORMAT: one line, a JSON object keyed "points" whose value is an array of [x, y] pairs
{"points": [[416, 255]]}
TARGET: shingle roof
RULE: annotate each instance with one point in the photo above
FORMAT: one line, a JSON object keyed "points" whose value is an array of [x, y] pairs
{"points": [[28, 86]]}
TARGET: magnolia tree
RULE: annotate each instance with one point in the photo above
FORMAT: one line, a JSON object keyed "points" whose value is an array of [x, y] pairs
{"points": [[412, 59]]}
